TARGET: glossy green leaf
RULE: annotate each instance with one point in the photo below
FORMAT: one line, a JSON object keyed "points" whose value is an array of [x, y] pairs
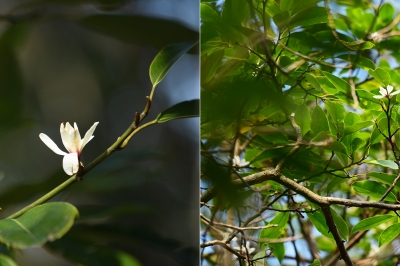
{"points": [[367, 100], [389, 234], [310, 16], [341, 225], [152, 31], [313, 81], [303, 118], [384, 163], [336, 110], [286, 5], [6, 261], [376, 134], [357, 126], [274, 232], [319, 121], [186, 109], [166, 58], [372, 222], [279, 250], [272, 8], [210, 64], [316, 262], [339, 83], [372, 189], [362, 62], [384, 178], [331, 143], [380, 75], [299, 6], [208, 14], [318, 220], [351, 118], [40, 224]]}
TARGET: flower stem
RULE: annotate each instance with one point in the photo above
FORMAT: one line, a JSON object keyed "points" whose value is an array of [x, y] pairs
{"points": [[45, 198]]}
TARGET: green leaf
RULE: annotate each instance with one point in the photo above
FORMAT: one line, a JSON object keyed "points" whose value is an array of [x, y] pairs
{"points": [[384, 178], [351, 118], [279, 250], [310, 16], [318, 219], [331, 143], [152, 31], [40, 224], [303, 118], [319, 121], [299, 6], [274, 232], [384, 163], [272, 8], [166, 58], [362, 62], [339, 83], [367, 100], [6, 261], [286, 5], [210, 64], [208, 14], [357, 126], [316, 262], [180, 110], [335, 110], [372, 222], [341, 225], [380, 75], [313, 81], [389, 234], [372, 189]]}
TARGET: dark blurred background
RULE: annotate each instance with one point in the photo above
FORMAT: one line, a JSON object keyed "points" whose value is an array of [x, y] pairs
{"points": [[86, 61]]}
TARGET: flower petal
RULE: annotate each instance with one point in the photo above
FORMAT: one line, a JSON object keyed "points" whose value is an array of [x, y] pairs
{"points": [[378, 96], [394, 93], [88, 136], [65, 135], [389, 89], [49, 143], [75, 140], [71, 163], [382, 91]]}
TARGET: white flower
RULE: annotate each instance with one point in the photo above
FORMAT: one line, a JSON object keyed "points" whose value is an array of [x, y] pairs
{"points": [[376, 37], [73, 143], [242, 249], [239, 162], [386, 93]]}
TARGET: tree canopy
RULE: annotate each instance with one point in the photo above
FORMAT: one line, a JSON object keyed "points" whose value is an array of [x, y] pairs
{"points": [[300, 136]]}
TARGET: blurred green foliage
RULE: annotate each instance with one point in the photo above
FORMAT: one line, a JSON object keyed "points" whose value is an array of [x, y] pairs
{"points": [[86, 61], [324, 62]]}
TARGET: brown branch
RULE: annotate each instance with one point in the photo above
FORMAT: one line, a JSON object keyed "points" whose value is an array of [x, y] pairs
{"points": [[236, 227], [224, 245], [333, 229], [310, 195]]}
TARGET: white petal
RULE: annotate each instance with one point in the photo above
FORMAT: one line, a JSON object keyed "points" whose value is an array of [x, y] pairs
{"points": [[64, 135], [394, 93], [382, 91], [378, 97], [75, 140], [389, 88], [51, 144], [88, 136], [71, 163]]}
